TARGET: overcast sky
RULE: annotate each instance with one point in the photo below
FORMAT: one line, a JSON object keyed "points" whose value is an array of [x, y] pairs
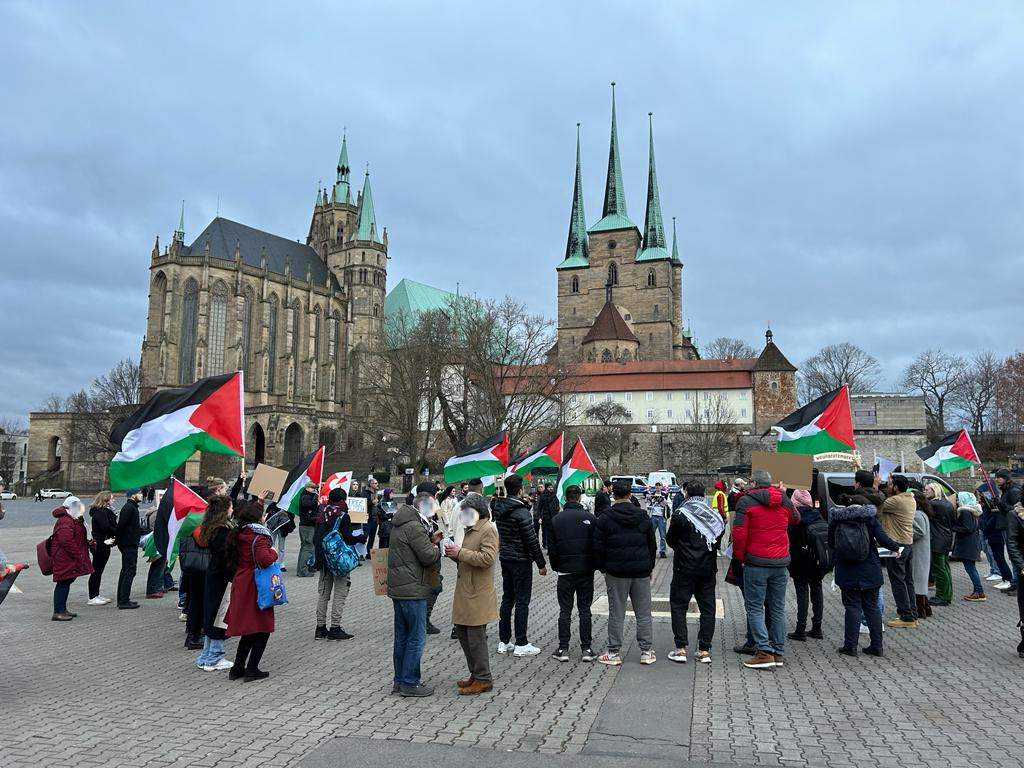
{"points": [[845, 171]]}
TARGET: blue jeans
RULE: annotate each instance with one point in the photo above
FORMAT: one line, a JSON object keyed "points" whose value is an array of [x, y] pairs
{"points": [[213, 651], [659, 525], [764, 589], [972, 572], [993, 567], [410, 637]]}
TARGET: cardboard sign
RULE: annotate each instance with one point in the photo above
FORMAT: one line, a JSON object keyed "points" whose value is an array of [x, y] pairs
{"points": [[357, 511], [791, 469], [380, 572], [267, 478]]}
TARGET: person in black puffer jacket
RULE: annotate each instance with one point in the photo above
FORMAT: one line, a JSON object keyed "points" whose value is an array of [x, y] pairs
{"points": [[518, 550], [624, 548], [571, 548], [309, 509], [803, 569], [547, 508], [941, 521], [104, 530], [1015, 546]]}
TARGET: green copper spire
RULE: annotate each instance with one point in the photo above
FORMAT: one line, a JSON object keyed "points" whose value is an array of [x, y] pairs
{"points": [[366, 223], [577, 249], [179, 233], [613, 215], [319, 197], [675, 243], [654, 245], [342, 192]]}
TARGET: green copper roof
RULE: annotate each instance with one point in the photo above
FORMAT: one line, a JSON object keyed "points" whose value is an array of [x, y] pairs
{"points": [[414, 298], [577, 249], [319, 197], [654, 228], [613, 215], [366, 222], [342, 192], [652, 254]]}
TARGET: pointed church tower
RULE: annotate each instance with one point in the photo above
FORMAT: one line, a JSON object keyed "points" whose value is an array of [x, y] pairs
{"points": [[362, 269], [654, 230]]}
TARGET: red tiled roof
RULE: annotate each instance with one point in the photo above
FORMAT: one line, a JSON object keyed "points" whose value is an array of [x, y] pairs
{"points": [[609, 325], [655, 375]]}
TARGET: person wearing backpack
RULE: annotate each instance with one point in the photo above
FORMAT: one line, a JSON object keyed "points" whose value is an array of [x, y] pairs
{"points": [[854, 533], [810, 560], [334, 516]]}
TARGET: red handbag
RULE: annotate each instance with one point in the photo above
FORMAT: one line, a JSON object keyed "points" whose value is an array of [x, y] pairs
{"points": [[43, 557]]}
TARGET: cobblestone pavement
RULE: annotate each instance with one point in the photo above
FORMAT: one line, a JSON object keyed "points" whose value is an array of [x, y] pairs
{"points": [[117, 688]]}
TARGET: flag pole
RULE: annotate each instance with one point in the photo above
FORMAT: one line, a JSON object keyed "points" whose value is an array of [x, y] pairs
{"points": [[981, 465]]}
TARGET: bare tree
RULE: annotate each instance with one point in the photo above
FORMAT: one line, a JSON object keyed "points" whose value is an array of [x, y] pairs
{"points": [[1010, 394], [939, 376], [9, 425], [728, 348], [53, 403], [835, 365], [976, 398], [714, 428], [605, 439], [110, 398]]}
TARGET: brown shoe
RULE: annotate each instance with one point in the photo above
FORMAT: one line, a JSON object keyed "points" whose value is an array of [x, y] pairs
{"points": [[760, 660], [476, 687], [900, 623], [465, 682], [780, 661], [62, 616], [975, 597]]}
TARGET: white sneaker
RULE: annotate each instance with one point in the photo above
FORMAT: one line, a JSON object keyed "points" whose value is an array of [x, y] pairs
{"points": [[1003, 585], [526, 650], [648, 657], [993, 577], [105, 599], [219, 666], [98, 601], [505, 647], [864, 629], [183, 616]]}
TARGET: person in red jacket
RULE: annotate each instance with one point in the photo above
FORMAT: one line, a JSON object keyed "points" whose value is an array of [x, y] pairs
{"points": [[69, 551], [248, 547], [760, 541]]}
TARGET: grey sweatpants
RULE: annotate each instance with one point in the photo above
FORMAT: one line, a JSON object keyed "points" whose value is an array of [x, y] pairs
{"points": [[328, 583], [639, 593]]}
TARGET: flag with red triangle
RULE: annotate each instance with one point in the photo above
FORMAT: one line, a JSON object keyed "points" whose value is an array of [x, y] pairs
{"points": [[547, 455], [821, 426], [175, 423], [308, 470], [180, 511], [954, 451], [488, 457], [577, 467]]}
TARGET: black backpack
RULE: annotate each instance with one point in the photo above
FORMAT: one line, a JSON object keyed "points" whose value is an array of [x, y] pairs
{"points": [[853, 541], [816, 536]]}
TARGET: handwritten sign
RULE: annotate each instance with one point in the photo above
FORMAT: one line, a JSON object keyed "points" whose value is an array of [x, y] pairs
{"points": [[380, 572], [357, 510]]}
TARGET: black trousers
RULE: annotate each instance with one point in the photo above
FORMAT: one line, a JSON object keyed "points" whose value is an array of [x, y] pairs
{"points": [[516, 590], [99, 562], [858, 603], [129, 562], [808, 591], [702, 589], [196, 603], [250, 652], [578, 587], [997, 542], [901, 582]]}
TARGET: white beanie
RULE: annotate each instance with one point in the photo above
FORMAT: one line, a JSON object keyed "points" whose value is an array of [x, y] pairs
{"points": [[70, 501]]}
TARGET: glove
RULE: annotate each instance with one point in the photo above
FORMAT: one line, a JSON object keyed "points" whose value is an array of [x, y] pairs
{"points": [[109, 542]]}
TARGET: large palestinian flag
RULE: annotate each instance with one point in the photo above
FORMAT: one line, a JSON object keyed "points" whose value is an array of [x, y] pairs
{"points": [[577, 468], [954, 451], [547, 455], [175, 423], [309, 470], [181, 510], [488, 457], [821, 426]]}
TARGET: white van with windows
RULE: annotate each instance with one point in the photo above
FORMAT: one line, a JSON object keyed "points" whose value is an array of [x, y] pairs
{"points": [[666, 478]]}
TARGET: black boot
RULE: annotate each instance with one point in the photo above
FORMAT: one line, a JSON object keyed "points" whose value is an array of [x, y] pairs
{"points": [[798, 634], [1020, 645], [321, 633], [193, 643], [816, 632]]}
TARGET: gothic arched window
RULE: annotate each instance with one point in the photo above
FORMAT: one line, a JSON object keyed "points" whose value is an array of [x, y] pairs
{"points": [[317, 330], [652, 279], [189, 328], [272, 344], [296, 344], [158, 305], [613, 273], [606, 356], [574, 285], [216, 329], [248, 300]]}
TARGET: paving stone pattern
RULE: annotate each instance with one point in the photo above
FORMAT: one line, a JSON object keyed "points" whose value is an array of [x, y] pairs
{"points": [[117, 688]]}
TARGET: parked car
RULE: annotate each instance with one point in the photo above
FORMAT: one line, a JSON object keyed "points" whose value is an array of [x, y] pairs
{"points": [[54, 493], [829, 486], [639, 482], [8, 496]]}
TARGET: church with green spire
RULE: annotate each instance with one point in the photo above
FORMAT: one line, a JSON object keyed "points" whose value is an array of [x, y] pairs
{"points": [[620, 288]]}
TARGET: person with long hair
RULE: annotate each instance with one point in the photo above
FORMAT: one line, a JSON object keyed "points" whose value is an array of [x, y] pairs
{"points": [[104, 531], [940, 520], [212, 534], [249, 547]]}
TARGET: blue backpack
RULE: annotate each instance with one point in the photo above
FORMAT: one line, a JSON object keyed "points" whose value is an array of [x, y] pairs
{"points": [[340, 558]]}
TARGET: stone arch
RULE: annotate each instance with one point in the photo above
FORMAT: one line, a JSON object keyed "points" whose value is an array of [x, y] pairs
{"points": [[189, 331], [292, 445], [158, 307], [54, 454], [257, 444]]}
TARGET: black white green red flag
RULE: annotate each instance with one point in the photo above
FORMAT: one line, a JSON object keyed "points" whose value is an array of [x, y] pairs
{"points": [[308, 470], [577, 467], [822, 426], [181, 510], [954, 451], [547, 455], [488, 457], [175, 423]]}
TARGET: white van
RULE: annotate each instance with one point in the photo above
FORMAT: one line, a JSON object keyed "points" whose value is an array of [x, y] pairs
{"points": [[637, 482], [666, 478]]}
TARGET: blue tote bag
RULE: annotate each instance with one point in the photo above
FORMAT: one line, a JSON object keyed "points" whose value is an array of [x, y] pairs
{"points": [[269, 583]]}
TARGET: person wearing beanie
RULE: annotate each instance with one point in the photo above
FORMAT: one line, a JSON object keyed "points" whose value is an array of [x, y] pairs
{"points": [[475, 604], [804, 569], [334, 513], [967, 542], [69, 551]]}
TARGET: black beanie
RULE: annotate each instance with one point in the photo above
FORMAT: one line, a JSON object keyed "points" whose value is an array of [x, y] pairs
{"points": [[337, 494]]}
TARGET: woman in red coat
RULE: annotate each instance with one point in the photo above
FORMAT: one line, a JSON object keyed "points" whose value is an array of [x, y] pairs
{"points": [[249, 541], [69, 551]]}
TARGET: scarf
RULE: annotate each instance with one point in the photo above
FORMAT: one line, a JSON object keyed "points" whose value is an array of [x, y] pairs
{"points": [[259, 528], [708, 523]]}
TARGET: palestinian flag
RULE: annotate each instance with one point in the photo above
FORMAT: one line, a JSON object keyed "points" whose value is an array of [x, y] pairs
{"points": [[309, 470], [488, 457], [548, 455], [822, 425], [7, 582], [577, 468], [490, 483], [954, 451], [181, 510], [175, 423]]}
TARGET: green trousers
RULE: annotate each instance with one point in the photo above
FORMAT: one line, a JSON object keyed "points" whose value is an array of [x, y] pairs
{"points": [[943, 578]]}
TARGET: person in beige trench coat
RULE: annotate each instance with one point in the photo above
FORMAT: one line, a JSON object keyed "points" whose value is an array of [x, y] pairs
{"points": [[475, 604]]}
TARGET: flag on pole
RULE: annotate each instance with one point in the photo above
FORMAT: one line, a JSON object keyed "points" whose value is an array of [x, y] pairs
{"points": [[488, 457], [577, 467], [490, 485], [547, 455], [338, 480], [175, 423], [308, 470], [822, 426], [181, 510], [954, 451], [7, 582]]}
